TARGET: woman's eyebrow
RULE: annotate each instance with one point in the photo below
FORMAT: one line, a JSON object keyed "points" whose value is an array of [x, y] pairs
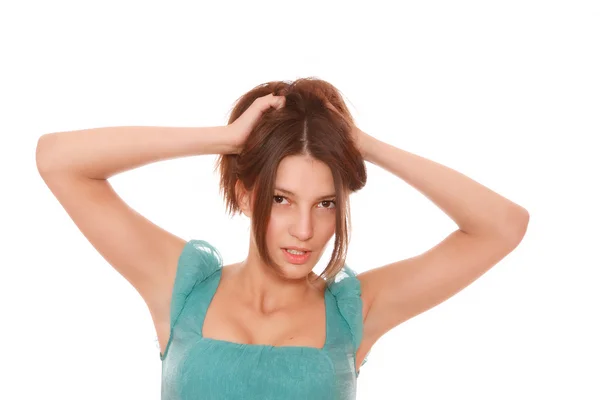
{"points": [[288, 192]]}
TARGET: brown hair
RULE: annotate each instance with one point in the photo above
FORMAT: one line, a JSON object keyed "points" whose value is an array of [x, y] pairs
{"points": [[305, 126]]}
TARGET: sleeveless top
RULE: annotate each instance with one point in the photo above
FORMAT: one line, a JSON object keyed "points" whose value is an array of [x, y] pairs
{"points": [[195, 367]]}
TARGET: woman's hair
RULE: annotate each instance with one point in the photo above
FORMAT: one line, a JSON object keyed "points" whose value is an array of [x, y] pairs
{"points": [[305, 126]]}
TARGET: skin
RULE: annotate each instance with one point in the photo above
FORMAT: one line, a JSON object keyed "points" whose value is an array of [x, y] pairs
{"points": [[76, 168], [300, 220]]}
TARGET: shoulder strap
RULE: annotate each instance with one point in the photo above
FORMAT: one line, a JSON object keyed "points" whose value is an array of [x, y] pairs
{"points": [[346, 289], [197, 261]]}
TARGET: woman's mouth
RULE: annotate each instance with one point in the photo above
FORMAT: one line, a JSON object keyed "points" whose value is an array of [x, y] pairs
{"points": [[295, 256]]}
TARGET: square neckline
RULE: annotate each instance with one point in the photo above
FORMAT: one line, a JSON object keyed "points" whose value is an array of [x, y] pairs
{"points": [[327, 299]]}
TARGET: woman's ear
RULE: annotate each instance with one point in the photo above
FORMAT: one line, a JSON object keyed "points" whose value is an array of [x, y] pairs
{"points": [[243, 199]]}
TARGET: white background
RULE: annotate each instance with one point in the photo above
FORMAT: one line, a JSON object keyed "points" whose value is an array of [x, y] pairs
{"points": [[504, 92]]}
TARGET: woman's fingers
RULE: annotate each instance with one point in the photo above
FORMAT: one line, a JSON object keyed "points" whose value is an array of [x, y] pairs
{"points": [[276, 101]]}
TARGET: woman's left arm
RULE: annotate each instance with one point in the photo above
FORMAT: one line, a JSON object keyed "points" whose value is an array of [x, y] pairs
{"points": [[490, 227], [476, 209]]}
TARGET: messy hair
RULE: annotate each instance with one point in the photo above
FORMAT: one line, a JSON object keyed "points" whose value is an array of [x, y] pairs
{"points": [[305, 126]]}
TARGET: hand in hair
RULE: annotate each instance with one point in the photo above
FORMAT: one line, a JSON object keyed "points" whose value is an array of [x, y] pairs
{"points": [[243, 125], [358, 136]]}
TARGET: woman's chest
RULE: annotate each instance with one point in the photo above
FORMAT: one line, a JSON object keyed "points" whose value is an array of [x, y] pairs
{"points": [[230, 321], [213, 369]]}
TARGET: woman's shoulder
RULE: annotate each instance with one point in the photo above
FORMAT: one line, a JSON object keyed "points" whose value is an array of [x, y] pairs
{"points": [[198, 260], [200, 256], [345, 287], [345, 282]]}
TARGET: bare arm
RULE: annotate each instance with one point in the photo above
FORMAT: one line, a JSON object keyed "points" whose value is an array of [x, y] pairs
{"points": [[75, 166], [100, 153]]}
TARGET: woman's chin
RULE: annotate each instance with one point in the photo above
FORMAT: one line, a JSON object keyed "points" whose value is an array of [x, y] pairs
{"points": [[294, 271]]}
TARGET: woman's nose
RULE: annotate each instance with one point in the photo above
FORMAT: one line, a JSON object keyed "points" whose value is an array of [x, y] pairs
{"points": [[303, 227]]}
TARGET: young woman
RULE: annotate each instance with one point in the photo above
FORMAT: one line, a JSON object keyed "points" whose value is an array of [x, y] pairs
{"points": [[268, 327]]}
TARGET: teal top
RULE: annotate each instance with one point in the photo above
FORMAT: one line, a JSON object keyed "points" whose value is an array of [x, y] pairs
{"points": [[195, 367]]}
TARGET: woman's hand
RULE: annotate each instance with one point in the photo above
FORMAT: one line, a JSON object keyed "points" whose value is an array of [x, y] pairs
{"points": [[358, 136], [241, 127]]}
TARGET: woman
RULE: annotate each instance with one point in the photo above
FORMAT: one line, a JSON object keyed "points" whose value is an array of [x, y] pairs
{"points": [[268, 327]]}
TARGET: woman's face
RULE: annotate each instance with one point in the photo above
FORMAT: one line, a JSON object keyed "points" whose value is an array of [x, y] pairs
{"points": [[303, 213]]}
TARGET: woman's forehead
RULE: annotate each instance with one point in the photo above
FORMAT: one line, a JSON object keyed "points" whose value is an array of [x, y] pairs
{"points": [[302, 175]]}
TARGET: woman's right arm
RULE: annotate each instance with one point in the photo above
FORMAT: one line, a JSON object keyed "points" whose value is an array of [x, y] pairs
{"points": [[75, 166], [100, 153]]}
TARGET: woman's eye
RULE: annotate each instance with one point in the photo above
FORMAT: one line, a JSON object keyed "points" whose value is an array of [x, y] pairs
{"points": [[278, 197], [329, 202]]}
